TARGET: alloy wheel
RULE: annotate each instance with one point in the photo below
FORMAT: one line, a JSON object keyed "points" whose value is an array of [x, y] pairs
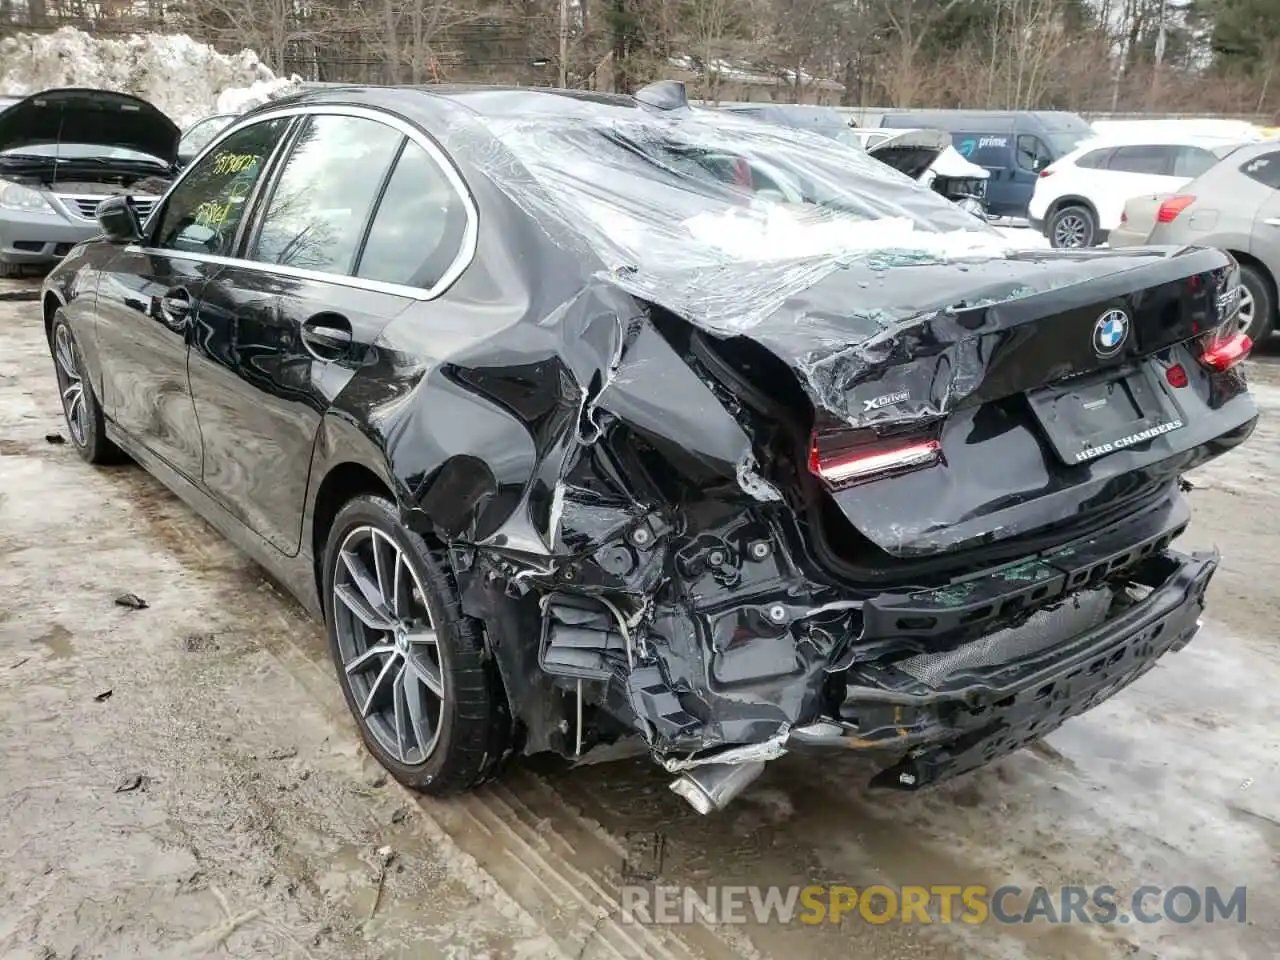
{"points": [[1070, 231], [388, 645], [70, 384], [1244, 317]]}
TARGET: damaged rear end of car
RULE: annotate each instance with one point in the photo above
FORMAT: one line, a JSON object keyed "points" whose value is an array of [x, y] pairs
{"points": [[853, 477]]}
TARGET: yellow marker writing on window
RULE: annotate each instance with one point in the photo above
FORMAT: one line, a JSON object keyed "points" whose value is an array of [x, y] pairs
{"points": [[225, 163]]}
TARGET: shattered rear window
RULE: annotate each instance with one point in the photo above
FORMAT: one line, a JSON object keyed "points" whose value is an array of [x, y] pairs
{"points": [[678, 206]]}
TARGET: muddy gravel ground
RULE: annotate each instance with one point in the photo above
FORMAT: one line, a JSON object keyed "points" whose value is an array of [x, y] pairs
{"points": [[183, 780]]}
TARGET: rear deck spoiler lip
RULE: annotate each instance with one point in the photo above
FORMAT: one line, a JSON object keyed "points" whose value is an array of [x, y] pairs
{"points": [[1176, 263]]}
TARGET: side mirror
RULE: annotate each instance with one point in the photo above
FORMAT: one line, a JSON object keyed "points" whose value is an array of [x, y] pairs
{"points": [[119, 221]]}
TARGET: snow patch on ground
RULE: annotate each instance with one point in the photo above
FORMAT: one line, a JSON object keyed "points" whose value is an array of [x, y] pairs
{"points": [[184, 78]]}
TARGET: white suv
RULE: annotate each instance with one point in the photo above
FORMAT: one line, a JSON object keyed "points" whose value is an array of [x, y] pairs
{"points": [[1078, 199]]}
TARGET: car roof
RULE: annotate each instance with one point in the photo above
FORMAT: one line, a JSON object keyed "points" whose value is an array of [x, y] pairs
{"points": [[996, 120], [484, 100], [1155, 140]]}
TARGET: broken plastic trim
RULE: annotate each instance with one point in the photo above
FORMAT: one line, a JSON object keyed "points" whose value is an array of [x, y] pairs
{"points": [[1222, 353]]}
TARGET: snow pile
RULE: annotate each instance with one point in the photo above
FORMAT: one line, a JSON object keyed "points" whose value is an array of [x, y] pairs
{"points": [[240, 99], [184, 78]]}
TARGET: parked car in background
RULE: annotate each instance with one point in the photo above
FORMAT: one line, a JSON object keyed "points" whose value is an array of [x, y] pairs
{"points": [[61, 153], [820, 120], [1013, 145], [929, 157], [1137, 220], [579, 417], [1078, 199], [1234, 206], [913, 152], [200, 134]]}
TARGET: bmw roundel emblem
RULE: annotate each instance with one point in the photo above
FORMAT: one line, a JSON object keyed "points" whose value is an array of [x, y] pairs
{"points": [[1110, 333]]}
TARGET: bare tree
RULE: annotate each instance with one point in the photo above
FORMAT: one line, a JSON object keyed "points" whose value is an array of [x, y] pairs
{"points": [[910, 22], [709, 23]]}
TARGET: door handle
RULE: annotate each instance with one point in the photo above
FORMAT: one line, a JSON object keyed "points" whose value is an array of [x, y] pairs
{"points": [[175, 306], [327, 337]]}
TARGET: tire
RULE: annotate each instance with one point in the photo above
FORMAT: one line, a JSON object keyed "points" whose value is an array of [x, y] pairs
{"points": [[80, 408], [1072, 227], [468, 719], [1260, 302]]}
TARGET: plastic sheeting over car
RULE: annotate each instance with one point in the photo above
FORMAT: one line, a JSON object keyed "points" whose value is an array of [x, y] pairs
{"points": [[721, 220], [782, 236]]}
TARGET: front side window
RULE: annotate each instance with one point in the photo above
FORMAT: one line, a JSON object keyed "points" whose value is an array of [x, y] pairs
{"points": [[1265, 168], [204, 210], [1146, 158], [1032, 153], [419, 227], [320, 205]]}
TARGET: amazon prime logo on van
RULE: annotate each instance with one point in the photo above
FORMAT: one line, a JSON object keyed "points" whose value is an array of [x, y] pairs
{"points": [[1110, 332]]}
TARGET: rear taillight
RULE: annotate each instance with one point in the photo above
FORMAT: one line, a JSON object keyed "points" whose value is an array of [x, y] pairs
{"points": [[1046, 173], [1173, 206], [1222, 351], [837, 460], [1124, 217]]}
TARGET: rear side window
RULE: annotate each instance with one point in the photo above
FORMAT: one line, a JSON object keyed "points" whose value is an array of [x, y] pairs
{"points": [[1145, 158], [1032, 153], [1095, 159], [1265, 168], [204, 211], [418, 231], [986, 150], [1192, 161], [326, 191]]}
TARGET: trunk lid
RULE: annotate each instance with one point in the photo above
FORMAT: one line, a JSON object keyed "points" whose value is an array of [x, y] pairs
{"points": [[98, 117], [1041, 380]]}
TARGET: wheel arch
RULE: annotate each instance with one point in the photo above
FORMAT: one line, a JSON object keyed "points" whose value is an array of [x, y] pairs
{"points": [[1072, 200], [51, 303], [1249, 260]]}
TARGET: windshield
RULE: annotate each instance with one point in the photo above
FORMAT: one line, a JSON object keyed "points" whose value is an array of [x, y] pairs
{"points": [[199, 136], [81, 151], [1064, 141], [840, 133]]}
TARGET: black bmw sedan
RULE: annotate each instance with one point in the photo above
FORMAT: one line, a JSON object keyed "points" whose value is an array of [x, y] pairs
{"points": [[581, 419]]}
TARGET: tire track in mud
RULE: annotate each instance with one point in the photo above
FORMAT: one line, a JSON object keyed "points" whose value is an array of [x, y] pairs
{"points": [[542, 855]]}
